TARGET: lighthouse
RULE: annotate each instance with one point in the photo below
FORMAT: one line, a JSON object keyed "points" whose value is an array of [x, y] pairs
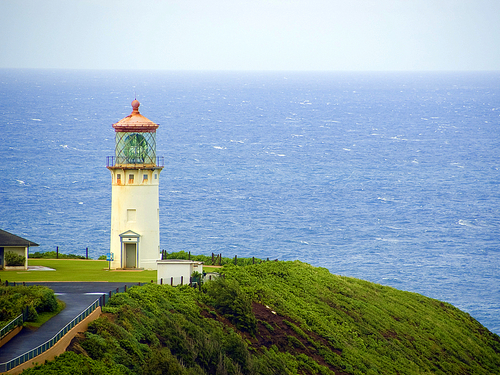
{"points": [[135, 209]]}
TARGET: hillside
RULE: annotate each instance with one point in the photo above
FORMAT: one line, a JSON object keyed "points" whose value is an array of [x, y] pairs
{"points": [[280, 318]]}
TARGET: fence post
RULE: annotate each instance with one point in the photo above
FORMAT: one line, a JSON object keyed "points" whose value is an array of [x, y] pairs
{"points": [[161, 281], [182, 280], [189, 255], [171, 281], [236, 260], [57, 252], [87, 253]]}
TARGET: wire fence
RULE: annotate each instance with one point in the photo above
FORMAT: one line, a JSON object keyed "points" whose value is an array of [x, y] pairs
{"points": [[101, 301], [50, 343], [16, 322]]}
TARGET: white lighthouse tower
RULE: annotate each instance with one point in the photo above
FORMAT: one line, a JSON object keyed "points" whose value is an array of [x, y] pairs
{"points": [[135, 172]]}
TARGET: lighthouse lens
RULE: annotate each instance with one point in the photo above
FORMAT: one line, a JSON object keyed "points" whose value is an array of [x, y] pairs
{"points": [[136, 149]]}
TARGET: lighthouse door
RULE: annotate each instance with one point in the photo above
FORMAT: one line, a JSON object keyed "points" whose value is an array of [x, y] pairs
{"points": [[130, 255]]}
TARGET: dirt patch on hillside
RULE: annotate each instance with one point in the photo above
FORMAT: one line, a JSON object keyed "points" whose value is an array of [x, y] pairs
{"points": [[284, 333], [287, 336]]}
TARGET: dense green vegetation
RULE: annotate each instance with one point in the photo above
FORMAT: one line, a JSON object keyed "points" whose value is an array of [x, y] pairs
{"points": [[54, 255], [15, 299], [214, 259], [279, 318], [13, 259]]}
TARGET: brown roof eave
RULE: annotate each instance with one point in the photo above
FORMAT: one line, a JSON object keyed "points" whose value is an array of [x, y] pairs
{"points": [[9, 239]]}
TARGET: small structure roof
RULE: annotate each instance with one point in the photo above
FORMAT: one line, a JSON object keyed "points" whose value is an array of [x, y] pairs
{"points": [[178, 261], [135, 122], [9, 239]]}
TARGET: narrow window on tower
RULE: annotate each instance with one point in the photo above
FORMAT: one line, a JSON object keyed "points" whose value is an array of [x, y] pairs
{"points": [[144, 178], [131, 214], [130, 178], [119, 179], [156, 176]]}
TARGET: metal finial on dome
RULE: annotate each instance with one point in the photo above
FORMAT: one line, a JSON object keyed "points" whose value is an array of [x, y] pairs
{"points": [[135, 105]]}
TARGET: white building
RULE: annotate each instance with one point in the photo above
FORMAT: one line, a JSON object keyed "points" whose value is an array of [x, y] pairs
{"points": [[135, 210], [10, 243], [177, 271]]}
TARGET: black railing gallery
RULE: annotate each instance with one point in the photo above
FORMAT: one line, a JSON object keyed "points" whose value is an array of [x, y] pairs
{"points": [[113, 161]]}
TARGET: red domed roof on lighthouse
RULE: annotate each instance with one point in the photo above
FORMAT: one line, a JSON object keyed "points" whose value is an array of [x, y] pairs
{"points": [[135, 122]]}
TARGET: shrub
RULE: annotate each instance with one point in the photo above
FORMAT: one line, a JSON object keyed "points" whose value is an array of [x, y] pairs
{"points": [[15, 299], [13, 259], [227, 297], [47, 302], [94, 345], [54, 255], [32, 314]]}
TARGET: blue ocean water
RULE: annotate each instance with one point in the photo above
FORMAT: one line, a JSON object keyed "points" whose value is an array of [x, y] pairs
{"points": [[388, 177]]}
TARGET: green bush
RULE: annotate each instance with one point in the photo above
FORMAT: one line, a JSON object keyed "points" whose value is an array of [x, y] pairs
{"points": [[32, 314], [54, 255], [15, 299], [47, 301], [13, 259], [94, 345], [207, 260], [70, 363], [227, 297]]}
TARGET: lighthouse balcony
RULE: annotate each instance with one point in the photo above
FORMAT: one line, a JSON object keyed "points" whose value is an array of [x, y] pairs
{"points": [[113, 162]]}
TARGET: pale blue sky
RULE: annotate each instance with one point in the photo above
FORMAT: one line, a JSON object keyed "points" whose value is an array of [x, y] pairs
{"points": [[336, 35]]}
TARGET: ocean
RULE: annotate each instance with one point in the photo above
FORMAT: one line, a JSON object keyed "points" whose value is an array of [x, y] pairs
{"points": [[387, 177]]}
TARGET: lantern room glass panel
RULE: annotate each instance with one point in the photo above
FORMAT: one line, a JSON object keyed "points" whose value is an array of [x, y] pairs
{"points": [[135, 148]]}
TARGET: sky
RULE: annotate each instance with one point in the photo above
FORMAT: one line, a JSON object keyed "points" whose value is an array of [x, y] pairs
{"points": [[272, 35]]}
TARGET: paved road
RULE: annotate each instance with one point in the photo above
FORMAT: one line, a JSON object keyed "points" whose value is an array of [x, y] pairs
{"points": [[77, 296]]}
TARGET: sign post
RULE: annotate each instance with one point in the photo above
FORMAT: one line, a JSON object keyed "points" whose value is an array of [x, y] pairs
{"points": [[109, 258]]}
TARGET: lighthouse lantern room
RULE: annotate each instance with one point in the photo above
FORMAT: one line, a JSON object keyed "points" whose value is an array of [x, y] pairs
{"points": [[135, 171]]}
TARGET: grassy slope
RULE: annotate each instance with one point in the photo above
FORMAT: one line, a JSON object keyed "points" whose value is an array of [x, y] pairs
{"points": [[308, 321], [375, 327]]}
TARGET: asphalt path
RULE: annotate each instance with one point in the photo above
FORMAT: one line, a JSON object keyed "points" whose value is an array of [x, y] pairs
{"points": [[77, 296]]}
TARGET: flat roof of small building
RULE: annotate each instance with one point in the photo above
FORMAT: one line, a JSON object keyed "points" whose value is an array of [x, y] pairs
{"points": [[178, 261]]}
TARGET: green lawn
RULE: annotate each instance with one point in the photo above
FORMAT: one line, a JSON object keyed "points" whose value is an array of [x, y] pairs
{"points": [[76, 270], [80, 270]]}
